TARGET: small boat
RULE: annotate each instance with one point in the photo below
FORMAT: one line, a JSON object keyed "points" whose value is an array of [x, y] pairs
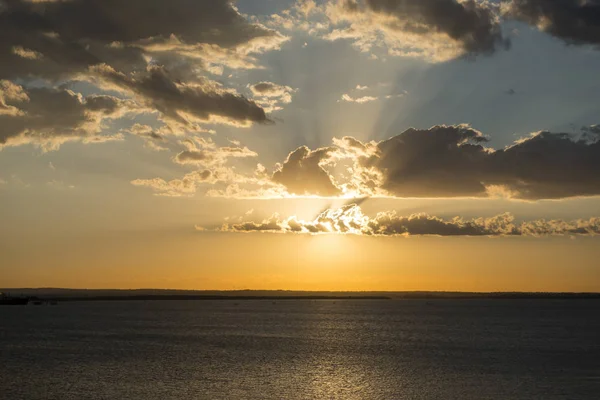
{"points": [[6, 300]]}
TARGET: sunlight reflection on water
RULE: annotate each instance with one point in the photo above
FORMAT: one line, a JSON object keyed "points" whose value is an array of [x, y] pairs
{"points": [[405, 349]]}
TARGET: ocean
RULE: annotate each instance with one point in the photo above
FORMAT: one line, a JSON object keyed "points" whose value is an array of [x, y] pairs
{"points": [[302, 349]]}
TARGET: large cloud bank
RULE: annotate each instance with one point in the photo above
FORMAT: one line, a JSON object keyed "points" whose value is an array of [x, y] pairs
{"points": [[156, 52], [439, 30], [450, 161]]}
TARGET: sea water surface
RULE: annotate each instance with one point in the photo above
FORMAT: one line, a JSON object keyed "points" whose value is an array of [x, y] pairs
{"points": [[302, 349]]}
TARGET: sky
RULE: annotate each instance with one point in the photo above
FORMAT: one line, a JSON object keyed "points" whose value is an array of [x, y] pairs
{"points": [[306, 145]]}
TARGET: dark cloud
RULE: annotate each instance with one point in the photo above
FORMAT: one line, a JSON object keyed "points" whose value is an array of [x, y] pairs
{"points": [[49, 117], [443, 161], [179, 101], [547, 165], [193, 157], [451, 161], [72, 35], [574, 21], [591, 132], [470, 22], [302, 173], [436, 29], [350, 219], [265, 87], [123, 44], [206, 21], [390, 224]]}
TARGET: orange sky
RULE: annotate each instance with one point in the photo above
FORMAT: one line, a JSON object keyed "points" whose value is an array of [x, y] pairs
{"points": [[191, 260]]}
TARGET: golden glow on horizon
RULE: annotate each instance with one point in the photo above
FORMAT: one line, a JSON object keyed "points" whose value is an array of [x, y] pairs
{"points": [[296, 262]]}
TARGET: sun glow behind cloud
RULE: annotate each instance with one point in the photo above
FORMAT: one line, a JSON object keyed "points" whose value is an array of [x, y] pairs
{"points": [[349, 219]]}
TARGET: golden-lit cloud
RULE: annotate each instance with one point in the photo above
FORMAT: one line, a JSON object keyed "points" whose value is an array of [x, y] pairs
{"points": [[363, 94], [212, 163], [437, 30], [434, 30], [204, 152], [350, 219], [271, 96], [175, 187], [360, 100]]}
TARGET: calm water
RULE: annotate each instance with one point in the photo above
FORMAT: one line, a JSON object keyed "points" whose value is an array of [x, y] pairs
{"points": [[395, 349]]}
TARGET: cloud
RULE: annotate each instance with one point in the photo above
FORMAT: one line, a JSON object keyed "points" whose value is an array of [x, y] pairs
{"points": [[436, 30], [186, 58], [187, 103], [211, 163], [174, 187], [452, 161], [359, 100], [302, 173], [188, 184], [204, 152], [145, 131], [270, 89], [433, 30], [154, 147], [271, 96], [48, 117], [150, 135], [347, 97], [574, 21], [449, 161], [57, 38], [350, 219], [548, 165], [157, 51], [440, 162]]}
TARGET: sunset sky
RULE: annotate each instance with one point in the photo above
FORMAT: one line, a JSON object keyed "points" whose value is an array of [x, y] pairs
{"points": [[312, 145]]}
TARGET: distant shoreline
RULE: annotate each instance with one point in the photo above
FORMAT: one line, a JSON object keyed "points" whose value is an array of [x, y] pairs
{"points": [[208, 297], [63, 295]]}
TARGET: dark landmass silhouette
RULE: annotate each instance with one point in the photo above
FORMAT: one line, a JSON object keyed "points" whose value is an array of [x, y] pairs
{"points": [[59, 294]]}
